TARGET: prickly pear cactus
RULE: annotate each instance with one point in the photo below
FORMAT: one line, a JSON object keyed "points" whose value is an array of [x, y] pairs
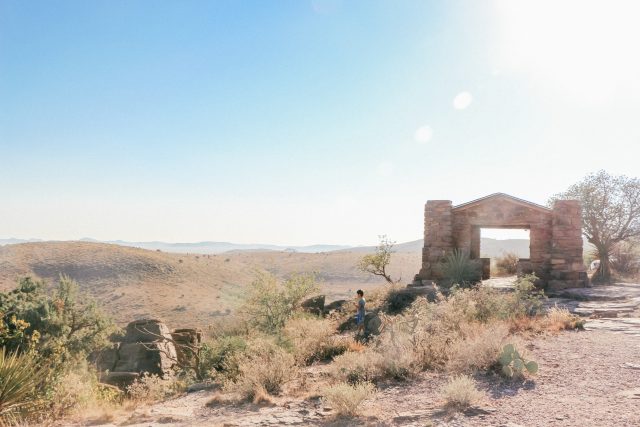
{"points": [[513, 364]]}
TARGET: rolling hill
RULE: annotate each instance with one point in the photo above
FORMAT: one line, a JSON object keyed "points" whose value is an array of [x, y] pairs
{"points": [[194, 289], [132, 283]]}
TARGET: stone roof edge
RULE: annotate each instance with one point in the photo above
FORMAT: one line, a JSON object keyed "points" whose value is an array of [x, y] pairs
{"points": [[517, 200]]}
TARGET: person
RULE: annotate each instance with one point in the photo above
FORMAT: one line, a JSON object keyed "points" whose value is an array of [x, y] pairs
{"points": [[360, 304]]}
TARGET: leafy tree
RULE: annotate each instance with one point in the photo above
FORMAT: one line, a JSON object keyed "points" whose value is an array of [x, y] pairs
{"points": [[270, 302], [54, 332], [610, 213], [378, 262], [65, 324]]}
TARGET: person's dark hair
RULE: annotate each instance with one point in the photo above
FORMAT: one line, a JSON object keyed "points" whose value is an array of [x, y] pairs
{"points": [[360, 292]]}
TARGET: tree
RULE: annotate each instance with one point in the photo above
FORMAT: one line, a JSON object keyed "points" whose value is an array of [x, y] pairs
{"points": [[610, 213], [270, 302], [378, 262], [66, 324]]}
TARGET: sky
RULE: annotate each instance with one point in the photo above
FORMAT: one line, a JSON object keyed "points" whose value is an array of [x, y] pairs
{"points": [[302, 122]]}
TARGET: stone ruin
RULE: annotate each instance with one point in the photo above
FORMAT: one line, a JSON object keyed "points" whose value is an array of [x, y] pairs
{"points": [[555, 237], [148, 346]]}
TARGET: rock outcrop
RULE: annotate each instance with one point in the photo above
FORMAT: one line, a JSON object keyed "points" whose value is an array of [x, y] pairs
{"points": [[147, 347]]}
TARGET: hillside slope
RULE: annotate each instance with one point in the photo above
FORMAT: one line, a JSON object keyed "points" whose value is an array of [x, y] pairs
{"points": [[133, 283], [181, 289]]}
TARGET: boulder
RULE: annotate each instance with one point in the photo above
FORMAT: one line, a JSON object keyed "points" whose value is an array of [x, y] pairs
{"points": [[146, 330], [335, 305], [314, 305], [106, 359], [183, 338], [155, 358]]}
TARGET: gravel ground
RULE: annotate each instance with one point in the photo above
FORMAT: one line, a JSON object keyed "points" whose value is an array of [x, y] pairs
{"points": [[587, 378]]}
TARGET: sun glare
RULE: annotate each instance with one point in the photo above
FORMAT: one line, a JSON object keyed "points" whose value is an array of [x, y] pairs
{"points": [[586, 48]]}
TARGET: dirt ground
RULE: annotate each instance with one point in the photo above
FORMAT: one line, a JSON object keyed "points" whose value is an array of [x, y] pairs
{"points": [[589, 378]]}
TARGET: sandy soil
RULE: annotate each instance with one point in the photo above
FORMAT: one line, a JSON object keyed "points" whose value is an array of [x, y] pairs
{"points": [[587, 378]]}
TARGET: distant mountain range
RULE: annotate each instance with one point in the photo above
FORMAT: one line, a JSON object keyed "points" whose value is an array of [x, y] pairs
{"points": [[199, 247], [490, 247]]}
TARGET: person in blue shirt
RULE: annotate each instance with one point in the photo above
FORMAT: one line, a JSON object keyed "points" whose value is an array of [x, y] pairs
{"points": [[360, 304]]}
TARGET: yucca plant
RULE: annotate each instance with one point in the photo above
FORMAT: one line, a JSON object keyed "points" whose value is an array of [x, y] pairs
{"points": [[19, 376], [458, 269]]}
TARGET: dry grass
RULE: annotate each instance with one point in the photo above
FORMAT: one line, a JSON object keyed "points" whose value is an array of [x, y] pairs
{"points": [[152, 388], [460, 392], [262, 368], [357, 367], [507, 264], [559, 319], [346, 399], [478, 348], [313, 339]]}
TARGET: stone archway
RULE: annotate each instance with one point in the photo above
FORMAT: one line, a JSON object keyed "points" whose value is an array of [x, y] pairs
{"points": [[555, 235]]}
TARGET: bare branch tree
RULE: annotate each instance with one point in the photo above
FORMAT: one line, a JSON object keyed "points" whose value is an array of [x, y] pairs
{"points": [[378, 262], [610, 213]]}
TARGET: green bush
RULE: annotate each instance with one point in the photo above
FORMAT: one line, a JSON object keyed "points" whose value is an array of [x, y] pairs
{"points": [[457, 269], [216, 356], [56, 332], [65, 325], [529, 299], [271, 303]]}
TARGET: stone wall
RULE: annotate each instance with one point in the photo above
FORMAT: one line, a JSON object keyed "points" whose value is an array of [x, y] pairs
{"points": [[555, 235], [438, 239], [567, 264]]}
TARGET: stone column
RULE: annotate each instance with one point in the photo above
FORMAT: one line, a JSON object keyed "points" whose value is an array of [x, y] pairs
{"points": [[567, 265], [475, 242], [540, 235], [438, 239]]}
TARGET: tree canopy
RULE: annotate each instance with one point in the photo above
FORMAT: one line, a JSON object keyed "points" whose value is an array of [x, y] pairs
{"points": [[610, 212]]}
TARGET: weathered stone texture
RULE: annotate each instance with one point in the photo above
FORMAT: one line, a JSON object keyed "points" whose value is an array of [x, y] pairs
{"points": [[555, 235]]}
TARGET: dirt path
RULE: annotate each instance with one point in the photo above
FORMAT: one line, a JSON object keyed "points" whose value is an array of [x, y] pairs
{"points": [[587, 378]]}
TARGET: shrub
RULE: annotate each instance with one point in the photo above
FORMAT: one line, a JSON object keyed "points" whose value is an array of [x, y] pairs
{"points": [[79, 389], [56, 331], [271, 303], [625, 259], [19, 376], [457, 268], [152, 388], [391, 355], [263, 367], [398, 300], [529, 299], [357, 367], [312, 339], [346, 399], [478, 348], [460, 392], [560, 318], [67, 324], [507, 264], [216, 355]]}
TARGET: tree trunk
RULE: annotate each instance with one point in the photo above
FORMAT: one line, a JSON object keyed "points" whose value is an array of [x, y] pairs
{"points": [[603, 274]]}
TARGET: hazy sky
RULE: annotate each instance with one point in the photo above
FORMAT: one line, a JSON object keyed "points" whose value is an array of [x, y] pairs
{"points": [[299, 122]]}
